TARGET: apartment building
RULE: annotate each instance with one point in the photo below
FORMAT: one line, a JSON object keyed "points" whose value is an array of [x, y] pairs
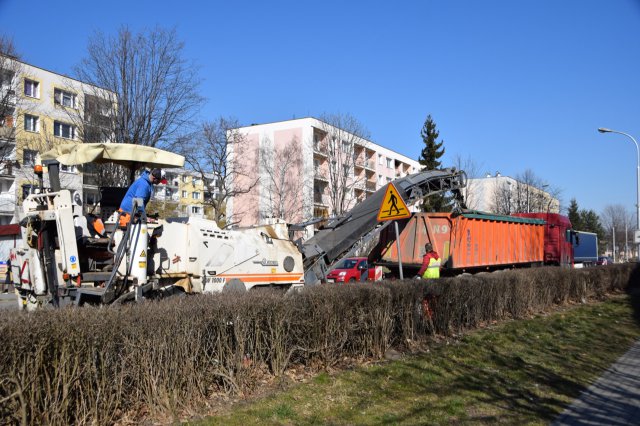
{"points": [[506, 195], [38, 110], [305, 168], [185, 194]]}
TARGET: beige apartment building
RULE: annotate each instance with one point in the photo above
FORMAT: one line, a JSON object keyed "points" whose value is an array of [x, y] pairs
{"points": [[38, 110], [305, 168]]}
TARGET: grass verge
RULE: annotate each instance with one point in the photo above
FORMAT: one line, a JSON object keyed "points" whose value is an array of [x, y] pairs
{"points": [[519, 372]]}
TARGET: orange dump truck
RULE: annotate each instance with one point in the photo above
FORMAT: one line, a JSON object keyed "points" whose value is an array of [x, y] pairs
{"points": [[466, 242]]}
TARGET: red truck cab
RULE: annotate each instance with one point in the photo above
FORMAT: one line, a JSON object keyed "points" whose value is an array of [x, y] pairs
{"points": [[351, 269]]}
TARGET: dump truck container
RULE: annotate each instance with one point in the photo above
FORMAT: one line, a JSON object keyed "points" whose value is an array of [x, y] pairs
{"points": [[469, 241]]}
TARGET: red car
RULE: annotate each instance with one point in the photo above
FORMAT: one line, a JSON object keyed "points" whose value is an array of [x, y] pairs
{"points": [[350, 270]]}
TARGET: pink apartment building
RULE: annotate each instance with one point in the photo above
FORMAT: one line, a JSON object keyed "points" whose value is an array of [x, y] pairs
{"points": [[304, 168]]}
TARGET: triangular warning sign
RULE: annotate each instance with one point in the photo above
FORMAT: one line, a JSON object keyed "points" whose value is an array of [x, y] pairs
{"points": [[143, 254], [393, 206]]}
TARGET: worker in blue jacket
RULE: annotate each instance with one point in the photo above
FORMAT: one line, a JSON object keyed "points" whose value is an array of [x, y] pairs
{"points": [[141, 188]]}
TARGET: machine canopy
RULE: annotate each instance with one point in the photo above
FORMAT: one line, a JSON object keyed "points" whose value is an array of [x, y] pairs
{"points": [[125, 154]]}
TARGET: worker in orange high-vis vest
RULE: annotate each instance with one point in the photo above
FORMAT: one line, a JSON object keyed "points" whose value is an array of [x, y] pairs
{"points": [[430, 268]]}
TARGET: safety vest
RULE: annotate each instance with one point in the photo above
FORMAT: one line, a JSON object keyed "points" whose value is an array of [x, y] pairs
{"points": [[433, 270]]}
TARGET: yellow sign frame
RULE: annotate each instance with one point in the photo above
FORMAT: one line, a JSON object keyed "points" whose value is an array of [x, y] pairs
{"points": [[392, 201]]}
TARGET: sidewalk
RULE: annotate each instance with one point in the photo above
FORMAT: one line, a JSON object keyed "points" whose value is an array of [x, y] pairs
{"points": [[613, 400]]}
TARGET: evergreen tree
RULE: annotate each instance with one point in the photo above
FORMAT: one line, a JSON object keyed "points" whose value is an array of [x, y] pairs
{"points": [[591, 223], [574, 215], [429, 158], [586, 221]]}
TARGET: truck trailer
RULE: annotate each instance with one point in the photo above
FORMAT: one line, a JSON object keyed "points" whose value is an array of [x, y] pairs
{"points": [[585, 248], [467, 242]]}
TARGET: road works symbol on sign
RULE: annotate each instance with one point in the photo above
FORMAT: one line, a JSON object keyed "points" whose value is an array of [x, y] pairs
{"points": [[393, 206]]}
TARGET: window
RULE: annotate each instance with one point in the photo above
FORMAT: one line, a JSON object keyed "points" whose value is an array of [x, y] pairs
{"points": [[31, 123], [347, 169], [380, 179], [26, 190], [31, 88], [195, 209], [29, 157], [185, 179], [345, 146], [380, 159], [195, 195], [63, 130], [64, 98], [388, 179], [68, 169], [184, 194], [168, 192], [389, 163]]}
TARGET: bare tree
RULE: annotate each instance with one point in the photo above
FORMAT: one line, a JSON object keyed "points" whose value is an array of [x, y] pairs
{"points": [[282, 186], [502, 197], [472, 169], [531, 194], [11, 70], [525, 194], [155, 88], [213, 153], [617, 219], [342, 135]]}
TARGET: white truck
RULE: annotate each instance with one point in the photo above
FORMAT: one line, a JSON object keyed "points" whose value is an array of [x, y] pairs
{"points": [[63, 260]]}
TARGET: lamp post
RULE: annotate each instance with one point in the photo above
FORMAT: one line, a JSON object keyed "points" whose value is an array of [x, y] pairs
{"points": [[605, 130]]}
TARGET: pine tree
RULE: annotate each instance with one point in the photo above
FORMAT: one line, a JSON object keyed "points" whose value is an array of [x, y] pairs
{"points": [[591, 223], [574, 215], [429, 158], [433, 149]]}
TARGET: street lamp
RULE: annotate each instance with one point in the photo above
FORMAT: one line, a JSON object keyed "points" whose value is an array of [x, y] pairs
{"points": [[605, 130]]}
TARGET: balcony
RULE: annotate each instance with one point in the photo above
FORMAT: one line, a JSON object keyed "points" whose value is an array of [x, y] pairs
{"points": [[7, 169], [321, 176], [9, 96], [7, 132], [320, 200], [370, 186], [7, 202], [365, 164], [320, 149]]}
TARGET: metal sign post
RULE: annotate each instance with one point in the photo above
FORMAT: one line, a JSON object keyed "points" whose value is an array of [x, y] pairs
{"points": [[395, 223]]}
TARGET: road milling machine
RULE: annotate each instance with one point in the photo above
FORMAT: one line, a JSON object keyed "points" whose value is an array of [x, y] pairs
{"points": [[63, 259]]}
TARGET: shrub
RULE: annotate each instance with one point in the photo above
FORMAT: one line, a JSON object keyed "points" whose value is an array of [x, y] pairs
{"points": [[116, 364]]}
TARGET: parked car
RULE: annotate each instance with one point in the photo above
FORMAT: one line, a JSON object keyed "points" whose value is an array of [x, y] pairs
{"points": [[351, 269], [604, 260]]}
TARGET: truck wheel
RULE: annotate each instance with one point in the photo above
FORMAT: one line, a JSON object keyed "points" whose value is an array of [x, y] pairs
{"points": [[352, 280], [234, 285]]}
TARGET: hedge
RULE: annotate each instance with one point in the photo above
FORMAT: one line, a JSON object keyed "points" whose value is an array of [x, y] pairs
{"points": [[154, 360]]}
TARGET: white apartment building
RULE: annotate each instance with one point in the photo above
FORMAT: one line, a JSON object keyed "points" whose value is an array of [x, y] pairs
{"points": [[297, 166], [506, 195]]}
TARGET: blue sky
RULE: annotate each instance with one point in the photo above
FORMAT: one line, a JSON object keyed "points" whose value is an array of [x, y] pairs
{"points": [[514, 85]]}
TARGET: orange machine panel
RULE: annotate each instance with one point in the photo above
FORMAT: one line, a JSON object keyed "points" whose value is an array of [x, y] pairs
{"points": [[470, 240]]}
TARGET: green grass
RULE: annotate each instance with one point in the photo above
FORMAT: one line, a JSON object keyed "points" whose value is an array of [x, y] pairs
{"points": [[519, 372]]}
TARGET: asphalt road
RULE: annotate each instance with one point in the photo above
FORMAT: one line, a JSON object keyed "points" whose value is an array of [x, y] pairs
{"points": [[8, 301]]}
